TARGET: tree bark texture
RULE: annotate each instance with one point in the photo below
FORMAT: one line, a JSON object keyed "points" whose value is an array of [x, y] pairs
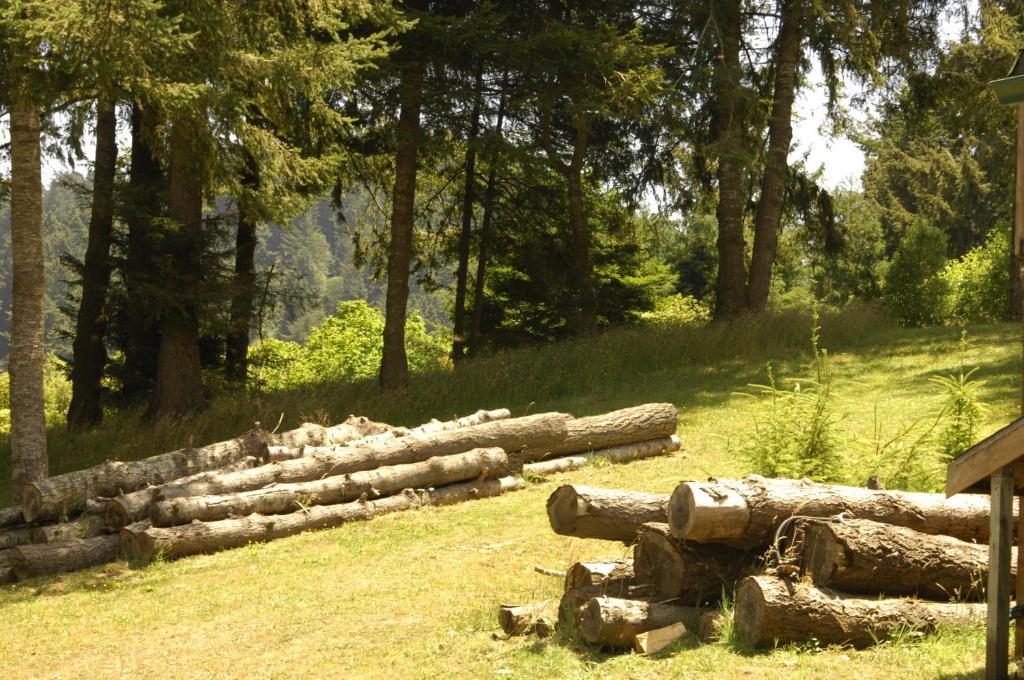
{"points": [[602, 574], [625, 426], [90, 354], [243, 288], [354, 428], [514, 436], [689, 573], [769, 610], [466, 233], [16, 536], [585, 321], [623, 453], [179, 378], [64, 556], [615, 622], [861, 556], [29, 461], [11, 516], [65, 495], [394, 367], [609, 514], [206, 537], [284, 498], [745, 514], [788, 49], [83, 526], [536, 617]]}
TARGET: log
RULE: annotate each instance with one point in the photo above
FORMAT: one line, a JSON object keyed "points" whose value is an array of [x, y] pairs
{"points": [[55, 558], [65, 495], [614, 622], [769, 610], [312, 434], [283, 498], [587, 574], [712, 625], [513, 435], [10, 517], [7, 576], [136, 506], [609, 514], [207, 537], [625, 426], [128, 538], [623, 453], [14, 537], [536, 617], [83, 526], [861, 556], [688, 572], [654, 641], [745, 514]]}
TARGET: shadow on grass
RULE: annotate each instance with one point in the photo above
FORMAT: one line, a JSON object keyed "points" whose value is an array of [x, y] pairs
{"points": [[108, 578]]}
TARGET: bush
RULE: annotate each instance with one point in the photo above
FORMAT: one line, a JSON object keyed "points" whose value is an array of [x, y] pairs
{"points": [[678, 309], [56, 395], [977, 284], [914, 289]]}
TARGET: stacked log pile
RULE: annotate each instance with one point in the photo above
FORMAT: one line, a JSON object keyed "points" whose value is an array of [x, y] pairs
{"points": [[799, 560], [262, 486]]}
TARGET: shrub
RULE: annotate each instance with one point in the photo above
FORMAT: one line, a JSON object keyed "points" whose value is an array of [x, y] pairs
{"points": [[678, 309], [963, 409], [56, 395], [977, 283], [914, 289]]}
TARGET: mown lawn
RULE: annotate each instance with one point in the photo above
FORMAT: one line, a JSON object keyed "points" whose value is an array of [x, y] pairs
{"points": [[415, 594]]}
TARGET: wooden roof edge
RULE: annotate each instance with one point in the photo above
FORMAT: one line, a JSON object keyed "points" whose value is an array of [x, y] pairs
{"points": [[990, 454]]}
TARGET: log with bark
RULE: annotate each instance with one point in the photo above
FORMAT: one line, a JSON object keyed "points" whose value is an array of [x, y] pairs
{"points": [[745, 514], [625, 426], [690, 573], [860, 556], [614, 622], [66, 495], [604, 574], [536, 617], [10, 517], [16, 536], [279, 453], [712, 623], [128, 537], [623, 453], [136, 506], [84, 526], [312, 434], [770, 610], [54, 558], [513, 435], [206, 537], [7, 576], [284, 498], [609, 514]]}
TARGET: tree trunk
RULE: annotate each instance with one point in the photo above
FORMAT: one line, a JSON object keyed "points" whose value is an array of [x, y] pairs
{"points": [[55, 558], [179, 378], [625, 426], [623, 453], [780, 135], [536, 617], [83, 526], [771, 611], [484, 238], [730, 121], [135, 506], [284, 498], [614, 623], [141, 332], [66, 494], [243, 289], [207, 537], [466, 234], [585, 321], [394, 366], [29, 461], [690, 573], [860, 556], [537, 431], [90, 354], [745, 514], [609, 514]]}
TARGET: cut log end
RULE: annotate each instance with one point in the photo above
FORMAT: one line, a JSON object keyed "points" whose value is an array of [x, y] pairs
{"points": [[564, 506], [31, 501], [707, 513], [750, 610], [115, 514]]}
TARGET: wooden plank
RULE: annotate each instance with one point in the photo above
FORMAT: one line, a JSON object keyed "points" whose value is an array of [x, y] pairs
{"points": [[986, 457], [997, 639], [653, 641]]}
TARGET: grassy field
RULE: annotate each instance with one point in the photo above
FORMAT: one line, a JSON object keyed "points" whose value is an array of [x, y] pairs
{"points": [[415, 594]]}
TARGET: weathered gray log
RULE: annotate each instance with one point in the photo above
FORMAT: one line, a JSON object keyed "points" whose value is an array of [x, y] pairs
{"points": [[284, 498], [625, 426], [769, 610], [10, 517], [128, 537], [65, 495], [536, 617], [614, 622], [83, 526], [587, 574], [63, 556], [312, 434], [279, 453], [136, 506], [18, 536], [623, 453], [206, 537], [513, 435], [860, 556], [746, 513], [609, 514], [689, 573]]}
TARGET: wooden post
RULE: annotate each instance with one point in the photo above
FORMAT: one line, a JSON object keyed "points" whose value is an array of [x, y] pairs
{"points": [[1018, 626], [1018, 231], [997, 640]]}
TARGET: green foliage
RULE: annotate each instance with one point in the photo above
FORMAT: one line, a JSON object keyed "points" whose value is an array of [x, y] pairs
{"points": [[677, 310], [56, 395], [913, 290], [962, 410], [345, 347], [977, 284]]}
